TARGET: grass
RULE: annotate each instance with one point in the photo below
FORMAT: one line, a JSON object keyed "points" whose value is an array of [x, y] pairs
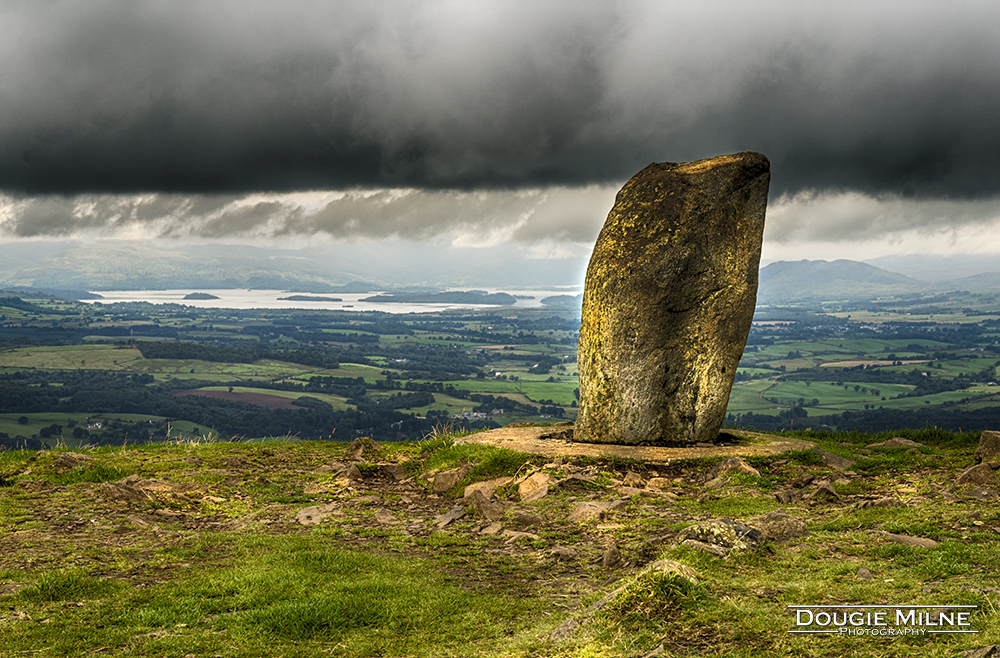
{"points": [[228, 571]]}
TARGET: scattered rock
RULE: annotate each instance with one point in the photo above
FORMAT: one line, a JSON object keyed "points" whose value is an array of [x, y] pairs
{"points": [[801, 481], [881, 502], [315, 488], [314, 515], [723, 533], [981, 493], [733, 464], [487, 509], [513, 536], [492, 529], [588, 511], [864, 574], [989, 446], [778, 526], [668, 301], [526, 520], [564, 553], [397, 472], [454, 514], [612, 556], [979, 474], [661, 484], [341, 470], [69, 460], [714, 549], [594, 510], [633, 480], [896, 442], [355, 450], [992, 651], [788, 496], [535, 486], [907, 540], [824, 491], [386, 517], [488, 487], [832, 460], [445, 481]]}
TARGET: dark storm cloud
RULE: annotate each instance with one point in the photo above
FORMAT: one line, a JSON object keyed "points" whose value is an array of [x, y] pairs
{"points": [[227, 97]]}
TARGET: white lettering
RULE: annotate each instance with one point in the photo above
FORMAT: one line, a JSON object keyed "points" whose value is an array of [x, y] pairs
{"points": [[798, 617], [907, 619]]}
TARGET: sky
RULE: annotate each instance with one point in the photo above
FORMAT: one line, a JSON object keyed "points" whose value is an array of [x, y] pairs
{"points": [[462, 125]]}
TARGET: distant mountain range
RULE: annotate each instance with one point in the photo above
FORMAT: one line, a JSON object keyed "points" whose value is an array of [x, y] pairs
{"points": [[134, 265], [344, 268], [839, 279]]}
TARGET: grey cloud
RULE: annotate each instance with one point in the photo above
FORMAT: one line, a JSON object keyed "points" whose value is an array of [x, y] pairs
{"points": [[229, 97]]}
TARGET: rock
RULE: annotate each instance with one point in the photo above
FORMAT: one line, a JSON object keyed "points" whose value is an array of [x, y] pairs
{"points": [[788, 496], [668, 301], [594, 510], [907, 540], [489, 510], [633, 480], [492, 529], [564, 553], [981, 493], [824, 491], [587, 512], [661, 484], [355, 450], [447, 480], [778, 526], [535, 486], [864, 574], [526, 520], [487, 487], [513, 535], [896, 442], [385, 516], [832, 460], [69, 460], [989, 446], [454, 514], [341, 470], [801, 481], [992, 651], [612, 556], [724, 533], [979, 474], [882, 502], [720, 551], [315, 488], [315, 514], [123, 492], [395, 471], [734, 464]]}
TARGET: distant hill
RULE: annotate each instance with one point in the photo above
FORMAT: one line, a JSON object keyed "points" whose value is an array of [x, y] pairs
{"points": [[825, 280]]}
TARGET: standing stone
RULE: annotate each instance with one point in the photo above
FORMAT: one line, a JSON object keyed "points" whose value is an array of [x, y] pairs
{"points": [[668, 301]]}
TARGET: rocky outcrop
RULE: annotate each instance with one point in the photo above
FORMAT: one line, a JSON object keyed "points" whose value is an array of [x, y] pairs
{"points": [[668, 301]]}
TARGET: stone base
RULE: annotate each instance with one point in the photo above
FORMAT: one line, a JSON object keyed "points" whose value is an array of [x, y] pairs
{"points": [[555, 441]]}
